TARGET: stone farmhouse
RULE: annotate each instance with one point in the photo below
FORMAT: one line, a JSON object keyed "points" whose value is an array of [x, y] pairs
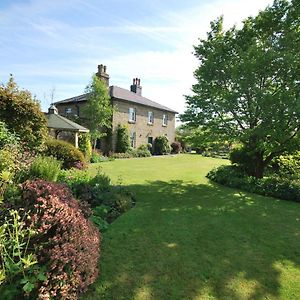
{"points": [[144, 118]]}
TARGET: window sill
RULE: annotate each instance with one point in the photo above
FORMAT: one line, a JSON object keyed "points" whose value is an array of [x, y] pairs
{"points": [[131, 122], [164, 125], [150, 124]]}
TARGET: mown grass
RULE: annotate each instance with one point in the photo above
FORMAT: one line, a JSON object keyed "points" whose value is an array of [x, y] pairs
{"points": [[190, 239]]}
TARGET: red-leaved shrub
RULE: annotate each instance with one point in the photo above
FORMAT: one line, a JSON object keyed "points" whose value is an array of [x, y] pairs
{"points": [[68, 241], [176, 147]]}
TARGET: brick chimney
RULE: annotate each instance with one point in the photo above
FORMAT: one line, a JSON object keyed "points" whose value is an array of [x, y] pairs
{"points": [[102, 74], [136, 86]]}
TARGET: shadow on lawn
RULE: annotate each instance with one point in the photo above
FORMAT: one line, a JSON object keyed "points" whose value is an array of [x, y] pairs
{"points": [[187, 241]]}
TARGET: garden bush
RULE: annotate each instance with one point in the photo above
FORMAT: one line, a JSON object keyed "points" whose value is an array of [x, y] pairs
{"points": [[143, 151], [68, 242], [45, 167], [7, 137], [85, 146], [22, 114], [19, 269], [65, 152], [273, 186], [176, 147], [98, 157], [161, 145], [288, 165], [123, 141]]}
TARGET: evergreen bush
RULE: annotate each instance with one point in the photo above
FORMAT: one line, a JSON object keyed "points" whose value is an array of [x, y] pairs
{"points": [[123, 141]]}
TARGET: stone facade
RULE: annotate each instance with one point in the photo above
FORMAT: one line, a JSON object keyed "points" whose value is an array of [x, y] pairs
{"points": [[142, 129]]}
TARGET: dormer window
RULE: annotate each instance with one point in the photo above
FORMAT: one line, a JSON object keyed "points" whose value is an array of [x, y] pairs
{"points": [[132, 115], [68, 110], [165, 120], [150, 117]]}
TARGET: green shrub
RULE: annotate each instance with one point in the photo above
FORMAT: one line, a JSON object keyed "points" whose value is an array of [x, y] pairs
{"points": [[7, 137], [22, 114], [123, 141], [236, 177], [122, 155], [17, 260], [84, 145], [65, 152], [161, 145], [99, 217], [98, 157], [143, 151], [288, 166], [45, 167]]}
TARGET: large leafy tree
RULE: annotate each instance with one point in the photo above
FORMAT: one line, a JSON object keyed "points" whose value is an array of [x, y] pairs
{"points": [[22, 114], [248, 83], [98, 110]]}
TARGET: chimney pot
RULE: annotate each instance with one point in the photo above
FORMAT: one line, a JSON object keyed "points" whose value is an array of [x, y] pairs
{"points": [[104, 69]]}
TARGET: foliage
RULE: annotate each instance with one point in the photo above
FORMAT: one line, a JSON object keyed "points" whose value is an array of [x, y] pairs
{"points": [[22, 114], [247, 83], [44, 167], [69, 243], [84, 186], [236, 177], [98, 109], [122, 155], [98, 192], [18, 262], [288, 165], [161, 145], [123, 141], [84, 145], [15, 160], [65, 152], [176, 147], [112, 203], [99, 157], [143, 151], [98, 217], [7, 137]]}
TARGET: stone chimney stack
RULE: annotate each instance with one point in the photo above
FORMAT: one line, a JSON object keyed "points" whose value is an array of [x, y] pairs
{"points": [[136, 86], [102, 74]]}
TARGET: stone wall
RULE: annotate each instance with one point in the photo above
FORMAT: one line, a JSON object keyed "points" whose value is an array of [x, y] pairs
{"points": [[141, 127]]}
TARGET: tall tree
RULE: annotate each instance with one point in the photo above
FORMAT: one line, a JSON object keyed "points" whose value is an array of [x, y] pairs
{"points": [[98, 110], [248, 83], [22, 114]]}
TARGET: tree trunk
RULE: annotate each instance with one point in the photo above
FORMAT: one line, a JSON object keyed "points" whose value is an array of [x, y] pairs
{"points": [[258, 165]]}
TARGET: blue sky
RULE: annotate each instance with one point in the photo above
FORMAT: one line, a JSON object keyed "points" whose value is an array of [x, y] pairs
{"points": [[58, 44]]}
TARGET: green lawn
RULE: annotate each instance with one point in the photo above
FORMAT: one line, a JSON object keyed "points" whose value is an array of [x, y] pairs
{"points": [[190, 239]]}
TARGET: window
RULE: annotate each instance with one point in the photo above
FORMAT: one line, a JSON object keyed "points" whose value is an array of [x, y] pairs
{"points": [[132, 115], [132, 139], [150, 117], [165, 120], [68, 110]]}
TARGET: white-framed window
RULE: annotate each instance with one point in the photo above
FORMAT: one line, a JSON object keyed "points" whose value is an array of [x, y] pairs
{"points": [[132, 139], [132, 115], [150, 117], [68, 110], [165, 120]]}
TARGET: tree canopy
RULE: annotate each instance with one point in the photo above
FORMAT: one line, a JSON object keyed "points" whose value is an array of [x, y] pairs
{"points": [[98, 110], [22, 114], [248, 85]]}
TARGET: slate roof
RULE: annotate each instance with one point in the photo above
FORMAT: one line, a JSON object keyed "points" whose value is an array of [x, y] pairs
{"points": [[122, 94], [59, 122]]}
